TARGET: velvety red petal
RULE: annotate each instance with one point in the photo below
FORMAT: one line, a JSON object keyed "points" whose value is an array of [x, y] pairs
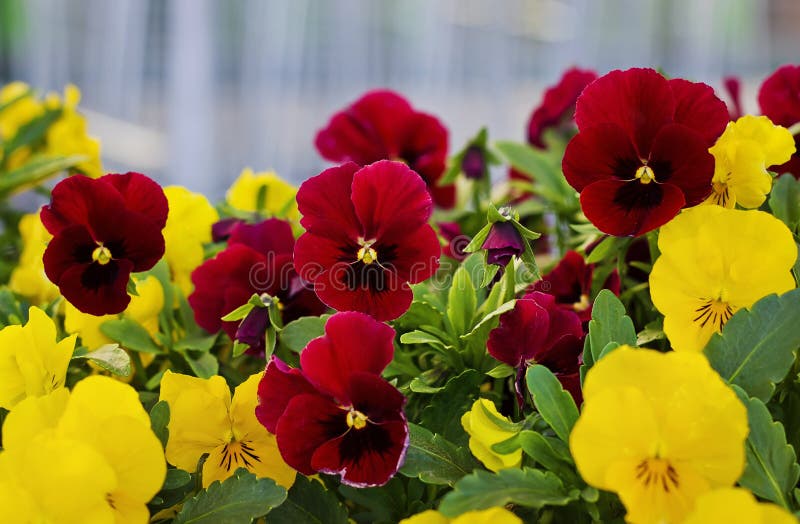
{"points": [[95, 289], [638, 100], [268, 236], [558, 103], [80, 200], [314, 254], [307, 423], [520, 334], [353, 342], [684, 155], [418, 254], [779, 95], [72, 245], [326, 206], [697, 107], [630, 208], [568, 280], [390, 199], [141, 194], [279, 385], [599, 152], [425, 151], [132, 236], [572, 383], [335, 288]]}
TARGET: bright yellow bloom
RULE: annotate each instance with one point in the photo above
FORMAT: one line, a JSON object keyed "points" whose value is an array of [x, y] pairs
{"points": [[32, 361], [106, 416], [188, 228], [741, 158], [28, 278], [23, 110], [659, 429], [736, 506], [204, 419], [487, 427], [713, 262], [68, 136], [484, 516], [278, 195]]}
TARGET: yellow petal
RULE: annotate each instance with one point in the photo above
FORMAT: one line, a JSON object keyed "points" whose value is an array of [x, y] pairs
{"points": [[146, 307], [97, 398], [12, 383], [736, 506], [243, 194], [243, 409], [86, 326], [32, 416], [487, 516], [481, 423], [426, 517], [17, 506], [28, 278]]}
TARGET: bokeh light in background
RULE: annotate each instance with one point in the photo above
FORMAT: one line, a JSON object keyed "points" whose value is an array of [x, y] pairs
{"points": [[192, 91]]}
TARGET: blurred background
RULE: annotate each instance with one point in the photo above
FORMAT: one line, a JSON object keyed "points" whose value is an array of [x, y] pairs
{"points": [[192, 91]]}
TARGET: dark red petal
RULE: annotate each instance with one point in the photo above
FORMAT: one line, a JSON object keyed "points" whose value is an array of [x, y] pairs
{"points": [[325, 202], [135, 238], [268, 236], [568, 280], [353, 342], [277, 387], [72, 245], [95, 289], [572, 383], [335, 287], [638, 100], [314, 254], [417, 255], [222, 229], [80, 200], [307, 423], [733, 85], [599, 152], [623, 208], [375, 397], [141, 194], [520, 334], [390, 200], [683, 154], [779, 96], [558, 103], [424, 148], [697, 107]]}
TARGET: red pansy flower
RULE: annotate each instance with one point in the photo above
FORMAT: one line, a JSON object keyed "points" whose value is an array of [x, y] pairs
{"points": [[258, 259], [337, 415], [538, 331], [103, 230], [779, 98], [570, 282], [382, 125], [367, 237], [455, 240], [733, 86], [641, 154]]}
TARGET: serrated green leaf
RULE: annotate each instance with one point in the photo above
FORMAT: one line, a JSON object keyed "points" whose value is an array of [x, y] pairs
{"points": [[159, 420], [176, 478], [531, 488], [756, 348], [110, 357], [461, 302], [784, 200], [129, 334], [434, 459], [772, 471], [445, 408], [297, 334], [609, 324], [309, 502], [239, 499], [555, 405]]}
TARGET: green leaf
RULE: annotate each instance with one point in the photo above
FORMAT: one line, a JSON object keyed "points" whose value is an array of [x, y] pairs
{"points": [[550, 182], [32, 131], [772, 471], [309, 503], [297, 334], [204, 366], [609, 324], [501, 371], [784, 200], [756, 348], [239, 313], [607, 248], [434, 459], [421, 337], [110, 357], [531, 488], [445, 408], [159, 419], [238, 500], [196, 342], [176, 478], [555, 405], [129, 334], [550, 452], [35, 171], [461, 302]]}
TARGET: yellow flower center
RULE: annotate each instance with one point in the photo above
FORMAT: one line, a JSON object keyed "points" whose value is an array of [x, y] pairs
{"points": [[238, 454], [645, 174], [356, 419], [721, 195], [366, 253], [101, 255], [582, 304], [658, 473], [715, 312]]}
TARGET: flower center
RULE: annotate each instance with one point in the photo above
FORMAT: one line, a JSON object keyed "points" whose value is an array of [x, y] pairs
{"points": [[101, 255], [645, 174], [582, 304], [715, 312], [356, 419], [658, 473], [238, 454], [366, 253], [721, 196]]}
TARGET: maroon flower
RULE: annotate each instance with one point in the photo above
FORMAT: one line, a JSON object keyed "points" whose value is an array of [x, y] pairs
{"points": [[558, 105], [258, 259], [642, 151], [338, 415], [473, 164], [103, 230], [382, 125], [221, 230], [367, 237], [570, 282], [456, 240], [779, 98], [733, 86], [503, 242], [538, 331]]}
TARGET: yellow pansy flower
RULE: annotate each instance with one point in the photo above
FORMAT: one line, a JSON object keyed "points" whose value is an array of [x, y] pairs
{"points": [[659, 429], [278, 195], [484, 516], [32, 361], [487, 427], [204, 419], [68, 135], [28, 278], [736, 506], [713, 262], [23, 110], [188, 228], [106, 416], [742, 155]]}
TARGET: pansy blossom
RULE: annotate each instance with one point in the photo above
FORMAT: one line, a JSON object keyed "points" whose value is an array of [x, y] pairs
{"points": [[336, 414], [779, 99]]}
